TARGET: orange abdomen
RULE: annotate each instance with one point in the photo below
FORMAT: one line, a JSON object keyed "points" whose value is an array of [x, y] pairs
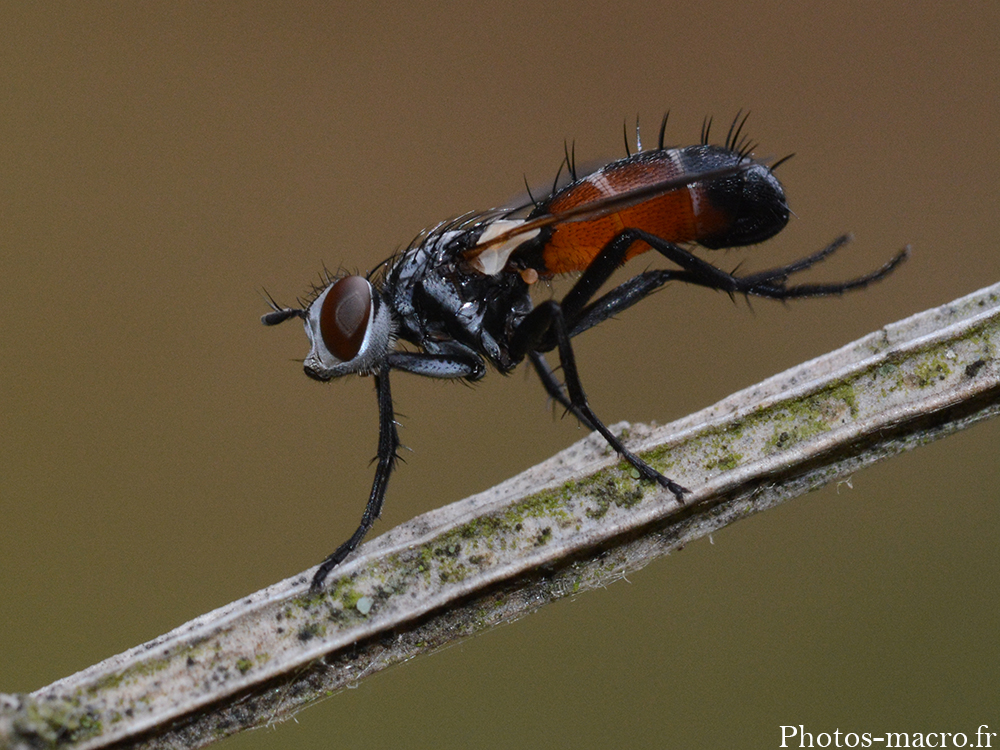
{"points": [[676, 216]]}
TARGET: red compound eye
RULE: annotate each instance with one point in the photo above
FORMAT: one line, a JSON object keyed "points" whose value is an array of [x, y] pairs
{"points": [[345, 315]]}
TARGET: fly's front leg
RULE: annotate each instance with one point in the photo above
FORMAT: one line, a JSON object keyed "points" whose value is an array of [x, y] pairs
{"points": [[454, 361], [548, 318], [448, 360], [388, 443]]}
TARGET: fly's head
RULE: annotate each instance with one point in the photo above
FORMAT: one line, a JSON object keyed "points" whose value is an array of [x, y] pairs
{"points": [[349, 327]]}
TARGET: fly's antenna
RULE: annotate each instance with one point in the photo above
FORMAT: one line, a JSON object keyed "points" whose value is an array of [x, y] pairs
{"points": [[280, 316], [706, 128], [663, 128], [781, 161], [278, 313]]}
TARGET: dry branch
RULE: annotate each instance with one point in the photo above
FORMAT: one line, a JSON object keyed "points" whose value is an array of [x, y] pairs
{"points": [[576, 521]]}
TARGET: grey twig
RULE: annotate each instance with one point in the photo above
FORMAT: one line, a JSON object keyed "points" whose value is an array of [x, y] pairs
{"points": [[574, 522]]}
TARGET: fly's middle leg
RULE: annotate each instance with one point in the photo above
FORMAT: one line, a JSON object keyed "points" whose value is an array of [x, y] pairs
{"points": [[546, 320], [554, 388]]}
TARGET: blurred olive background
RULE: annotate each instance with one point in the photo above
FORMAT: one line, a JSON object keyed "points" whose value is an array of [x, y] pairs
{"points": [[163, 454]]}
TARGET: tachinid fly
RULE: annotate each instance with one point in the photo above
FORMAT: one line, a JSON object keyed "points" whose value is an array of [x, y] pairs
{"points": [[460, 294]]}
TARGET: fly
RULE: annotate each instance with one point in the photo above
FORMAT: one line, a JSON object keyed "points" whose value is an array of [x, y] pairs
{"points": [[460, 294]]}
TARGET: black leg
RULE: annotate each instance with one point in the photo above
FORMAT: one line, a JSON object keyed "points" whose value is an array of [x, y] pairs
{"points": [[554, 388], [553, 324], [618, 299], [599, 271], [388, 443], [771, 284], [548, 317], [623, 297], [574, 304]]}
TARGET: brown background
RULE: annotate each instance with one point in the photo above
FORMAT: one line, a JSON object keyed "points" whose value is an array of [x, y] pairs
{"points": [[162, 453]]}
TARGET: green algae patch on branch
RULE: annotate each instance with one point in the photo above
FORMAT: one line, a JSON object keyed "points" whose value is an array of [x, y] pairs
{"points": [[244, 665], [472, 547], [57, 722], [803, 419]]}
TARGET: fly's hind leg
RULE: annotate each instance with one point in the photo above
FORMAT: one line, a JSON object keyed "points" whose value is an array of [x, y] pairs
{"points": [[772, 283]]}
